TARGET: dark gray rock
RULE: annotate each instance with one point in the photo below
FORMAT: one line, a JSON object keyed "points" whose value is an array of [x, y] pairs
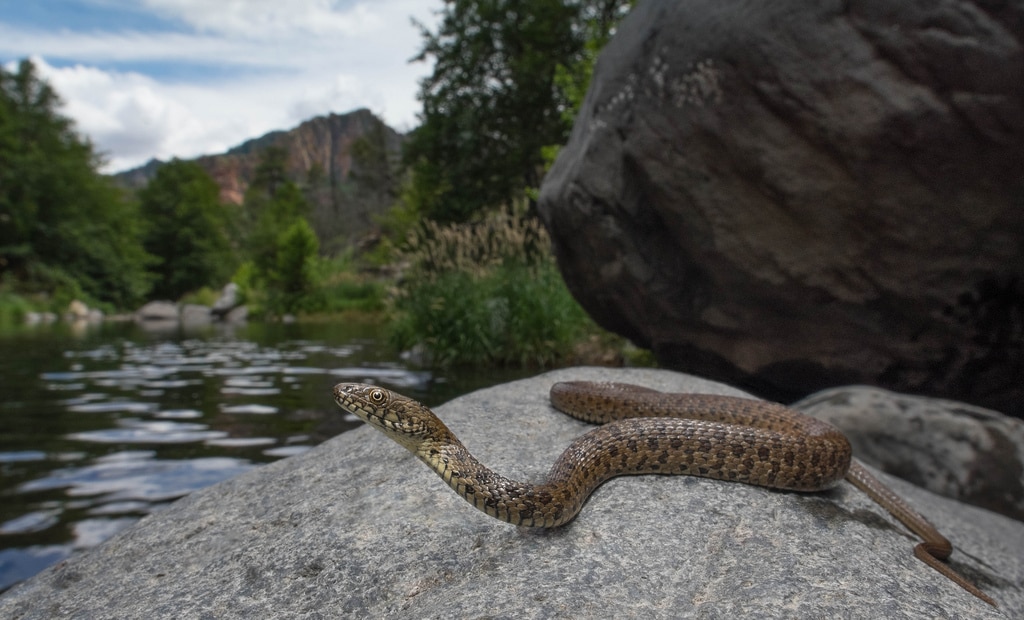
{"points": [[790, 195], [359, 528], [971, 454], [229, 300]]}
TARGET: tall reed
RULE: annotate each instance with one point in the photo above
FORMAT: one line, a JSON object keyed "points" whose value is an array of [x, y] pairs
{"points": [[486, 292]]}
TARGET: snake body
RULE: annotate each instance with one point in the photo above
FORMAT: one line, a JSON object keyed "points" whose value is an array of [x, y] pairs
{"points": [[644, 431]]}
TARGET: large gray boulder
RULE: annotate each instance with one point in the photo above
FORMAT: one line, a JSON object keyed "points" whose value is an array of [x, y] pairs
{"points": [[359, 528], [792, 195], [968, 453]]}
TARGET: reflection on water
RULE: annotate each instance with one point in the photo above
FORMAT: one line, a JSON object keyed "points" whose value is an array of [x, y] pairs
{"points": [[101, 428]]}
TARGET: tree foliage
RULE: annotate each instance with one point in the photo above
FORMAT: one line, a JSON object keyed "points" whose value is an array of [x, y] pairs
{"points": [[493, 102], [272, 204], [294, 276], [186, 229], [64, 228], [282, 249], [375, 171]]}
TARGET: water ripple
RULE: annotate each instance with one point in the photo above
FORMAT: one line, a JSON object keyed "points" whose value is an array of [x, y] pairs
{"points": [[22, 456], [114, 406], [31, 522], [249, 409], [149, 431], [137, 476]]}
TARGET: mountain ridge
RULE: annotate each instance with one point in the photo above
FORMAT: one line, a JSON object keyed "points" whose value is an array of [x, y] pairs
{"points": [[345, 188]]}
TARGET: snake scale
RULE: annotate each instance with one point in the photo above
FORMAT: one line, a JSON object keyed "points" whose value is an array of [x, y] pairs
{"points": [[644, 431]]}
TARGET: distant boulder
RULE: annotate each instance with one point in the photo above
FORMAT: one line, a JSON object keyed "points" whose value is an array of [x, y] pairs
{"points": [[229, 299], [77, 311], [195, 315], [239, 314], [158, 311]]}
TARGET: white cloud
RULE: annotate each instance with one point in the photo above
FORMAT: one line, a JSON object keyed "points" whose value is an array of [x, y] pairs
{"points": [[132, 118], [264, 18], [274, 64]]}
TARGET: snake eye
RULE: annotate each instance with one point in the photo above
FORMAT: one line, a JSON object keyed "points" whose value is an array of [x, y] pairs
{"points": [[377, 396]]}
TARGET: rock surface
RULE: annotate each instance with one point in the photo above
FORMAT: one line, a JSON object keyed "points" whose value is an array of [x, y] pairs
{"points": [[790, 196], [359, 528], [158, 312], [229, 300], [77, 311], [195, 315], [238, 314], [971, 454]]}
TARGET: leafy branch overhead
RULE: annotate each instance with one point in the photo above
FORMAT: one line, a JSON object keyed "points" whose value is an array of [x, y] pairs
{"points": [[499, 93]]}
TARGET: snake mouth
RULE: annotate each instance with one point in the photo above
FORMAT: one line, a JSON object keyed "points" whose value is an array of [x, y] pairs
{"points": [[351, 398], [369, 403]]}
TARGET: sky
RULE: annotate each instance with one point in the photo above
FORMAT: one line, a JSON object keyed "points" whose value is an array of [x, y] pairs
{"points": [[182, 78]]}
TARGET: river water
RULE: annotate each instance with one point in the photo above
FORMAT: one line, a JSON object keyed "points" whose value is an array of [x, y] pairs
{"points": [[102, 425]]}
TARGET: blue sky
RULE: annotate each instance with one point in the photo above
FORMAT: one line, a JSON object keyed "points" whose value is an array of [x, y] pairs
{"points": [[181, 78]]}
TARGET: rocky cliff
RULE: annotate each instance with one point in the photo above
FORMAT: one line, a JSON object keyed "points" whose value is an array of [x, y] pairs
{"points": [[341, 186]]}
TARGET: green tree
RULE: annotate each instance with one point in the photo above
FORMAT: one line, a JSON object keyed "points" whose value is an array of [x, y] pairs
{"points": [[272, 204], [187, 230], [293, 278], [598, 22], [271, 173], [64, 228], [492, 102], [281, 247], [375, 171]]}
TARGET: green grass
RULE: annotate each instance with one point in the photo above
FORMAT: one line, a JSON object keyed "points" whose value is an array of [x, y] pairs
{"points": [[13, 308], [348, 295]]}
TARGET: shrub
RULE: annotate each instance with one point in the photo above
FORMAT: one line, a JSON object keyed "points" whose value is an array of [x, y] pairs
{"points": [[13, 308], [486, 292]]}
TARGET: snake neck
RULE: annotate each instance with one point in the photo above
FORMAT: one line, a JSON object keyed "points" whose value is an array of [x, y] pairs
{"points": [[512, 501]]}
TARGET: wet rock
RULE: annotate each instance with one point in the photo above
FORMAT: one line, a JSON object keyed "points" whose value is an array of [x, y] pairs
{"points": [[791, 195], [357, 527]]}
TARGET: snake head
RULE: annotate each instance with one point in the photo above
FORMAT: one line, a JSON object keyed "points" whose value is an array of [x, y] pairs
{"points": [[401, 418]]}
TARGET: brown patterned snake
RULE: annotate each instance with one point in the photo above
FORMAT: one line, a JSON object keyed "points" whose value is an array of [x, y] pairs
{"points": [[644, 431]]}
